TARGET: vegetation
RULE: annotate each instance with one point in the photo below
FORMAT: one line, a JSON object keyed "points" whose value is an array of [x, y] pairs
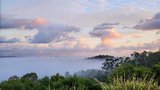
{"points": [[92, 73], [119, 83], [101, 57], [146, 59], [55, 82], [140, 71]]}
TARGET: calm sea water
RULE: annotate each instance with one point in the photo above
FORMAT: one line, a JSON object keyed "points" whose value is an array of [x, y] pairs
{"points": [[45, 65]]}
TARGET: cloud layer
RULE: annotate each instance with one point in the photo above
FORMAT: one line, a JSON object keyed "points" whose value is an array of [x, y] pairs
{"points": [[154, 45], [8, 22], [4, 40], [150, 24], [46, 32]]}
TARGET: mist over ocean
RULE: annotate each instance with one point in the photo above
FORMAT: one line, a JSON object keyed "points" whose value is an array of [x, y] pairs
{"points": [[45, 65]]}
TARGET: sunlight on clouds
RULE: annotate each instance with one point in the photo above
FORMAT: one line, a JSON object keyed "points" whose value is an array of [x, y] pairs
{"points": [[113, 34], [80, 25], [40, 21], [83, 43]]}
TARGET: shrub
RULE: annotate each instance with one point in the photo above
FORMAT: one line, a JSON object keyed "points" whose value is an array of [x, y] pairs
{"points": [[128, 71], [156, 70], [119, 83]]}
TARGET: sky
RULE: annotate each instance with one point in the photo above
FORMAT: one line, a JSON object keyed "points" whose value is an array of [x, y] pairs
{"points": [[78, 27]]}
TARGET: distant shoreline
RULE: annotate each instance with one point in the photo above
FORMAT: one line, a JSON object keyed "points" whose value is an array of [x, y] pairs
{"points": [[101, 57], [7, 56]]}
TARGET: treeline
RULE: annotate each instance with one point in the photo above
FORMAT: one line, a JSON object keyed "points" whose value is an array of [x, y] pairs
{"points": [[147, 59], [101, 57], [140, 71], [30, 81]]}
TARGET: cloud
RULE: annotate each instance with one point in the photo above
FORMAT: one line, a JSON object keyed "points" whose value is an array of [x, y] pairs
{"points": [[105, 26], [82, 44], [154, 45], [70, 48], [40, 21], [73, 48], [8, 22], [4, 40], [106, 32], [158, 32], [46, 32], [150, 24], [136, 35], [54, 32]]}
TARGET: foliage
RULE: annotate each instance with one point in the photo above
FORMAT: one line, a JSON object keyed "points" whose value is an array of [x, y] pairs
{"points": [[146, 59], [130, 70], [91, 73], [30, 76], [156, 71], [55, 82], [120, 83], [101, 57], [14, 77]]}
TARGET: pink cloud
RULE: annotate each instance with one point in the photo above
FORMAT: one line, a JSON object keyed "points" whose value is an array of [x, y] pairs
{"points": [[158, 32], [106, 32], [112, 34], [82, 43], [136, 35], [40, 21], [17, 23]]}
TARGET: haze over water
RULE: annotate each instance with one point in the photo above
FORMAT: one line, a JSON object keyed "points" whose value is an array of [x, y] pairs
{"points": [[45, 65]]}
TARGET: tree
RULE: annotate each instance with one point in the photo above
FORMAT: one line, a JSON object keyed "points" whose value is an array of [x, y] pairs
{"points": [[31, 76], [108, 65], [67, 74], [14, 77], [57, 77], [45, 81], [129, 70]]}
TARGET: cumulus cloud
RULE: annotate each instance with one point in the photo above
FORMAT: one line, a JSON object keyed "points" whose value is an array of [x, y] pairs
{"points": [[4, 40], [8, 22], [106, 32], [55, 32], [82, 44], [150, 24], [46, 32]]}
